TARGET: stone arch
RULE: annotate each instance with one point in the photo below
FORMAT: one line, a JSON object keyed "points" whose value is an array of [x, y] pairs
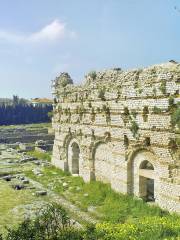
{"points": [[73, 156], [146, 180], [142, 174], [102, 158]]}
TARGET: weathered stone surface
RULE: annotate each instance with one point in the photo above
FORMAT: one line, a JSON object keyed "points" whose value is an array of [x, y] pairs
{"points": [[117, 128], [41, 193]]}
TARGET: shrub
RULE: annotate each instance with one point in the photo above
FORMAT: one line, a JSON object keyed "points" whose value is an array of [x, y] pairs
{"points": [[134, 113], [134, 128], [162, 87], [156, 110], [51, 223], [93, 75], [101, 94], [140, 91], [175, 116], [126, 111], [171, 101]]}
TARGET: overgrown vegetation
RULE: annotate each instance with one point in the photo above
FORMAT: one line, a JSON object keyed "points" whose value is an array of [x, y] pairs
{"points": [[93, 75], [174, 110], [162, 87], [157, 110], [101, 94], [110, 206], [41, 155], [53, 223], [134, 128]]}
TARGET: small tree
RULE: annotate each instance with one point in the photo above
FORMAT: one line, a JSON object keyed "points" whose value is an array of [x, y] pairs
{"points": [[93, 75]]}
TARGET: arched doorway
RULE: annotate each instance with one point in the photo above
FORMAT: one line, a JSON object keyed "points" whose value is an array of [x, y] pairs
{"points": [[73, 157], [142, 177], [146, 181]]}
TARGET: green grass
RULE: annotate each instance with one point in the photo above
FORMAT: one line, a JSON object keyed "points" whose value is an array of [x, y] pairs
{"points": [[41, 155], [11, 199], [110, 206], [28, 126]]}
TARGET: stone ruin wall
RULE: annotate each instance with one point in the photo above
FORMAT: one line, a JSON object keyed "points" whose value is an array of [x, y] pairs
{"points": [[116, 121]]}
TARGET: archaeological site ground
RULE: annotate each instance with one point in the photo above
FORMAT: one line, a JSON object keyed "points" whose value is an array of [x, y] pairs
{"points": [[110, 157]]}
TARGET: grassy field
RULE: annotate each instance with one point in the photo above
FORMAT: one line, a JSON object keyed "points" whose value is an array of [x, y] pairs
{"points": [[13, 203], [41, 155], [28, 126], [107, 205]]}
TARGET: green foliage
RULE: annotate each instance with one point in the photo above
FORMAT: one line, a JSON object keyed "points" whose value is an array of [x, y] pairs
{"points": [[145, 110], [21, 112], [50, 114], [157, 110], [51, 223], [171, 102], [93, 75], [140, 90], [136, 84], [126, 111], [124, 217], [134, 128], [153, 228], [162, 87], [145, 113], [101, 94], [134, 113], [40, 155], [110, 206], [175, 116]]}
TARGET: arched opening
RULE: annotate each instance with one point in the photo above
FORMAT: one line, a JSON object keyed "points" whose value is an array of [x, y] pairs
{"points": [[146, 181], [75, 158], [142, 177]]}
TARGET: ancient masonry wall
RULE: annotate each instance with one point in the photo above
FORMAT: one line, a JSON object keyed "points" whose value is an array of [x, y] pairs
{"points": [[118, 128]]}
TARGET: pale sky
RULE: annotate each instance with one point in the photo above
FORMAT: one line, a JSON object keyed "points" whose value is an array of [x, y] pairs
{"points": [[41, 38]]}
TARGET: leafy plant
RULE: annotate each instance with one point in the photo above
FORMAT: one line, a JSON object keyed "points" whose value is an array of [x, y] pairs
{"points": [[175, 116], [156, 110], [171, 101], [134, 113], [162, 87], [140, 90], [51, 223], [134, 128], [93, 75], [126, 111], [101, 94]]}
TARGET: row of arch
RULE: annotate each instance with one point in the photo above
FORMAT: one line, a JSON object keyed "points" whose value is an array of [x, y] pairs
{"points": [[141, 172]]}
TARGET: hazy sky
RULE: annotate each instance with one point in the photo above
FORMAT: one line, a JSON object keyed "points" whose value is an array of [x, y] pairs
{"points": [[41, 38]]}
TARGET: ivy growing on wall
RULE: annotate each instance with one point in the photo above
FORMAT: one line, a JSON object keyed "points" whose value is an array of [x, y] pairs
{"points": [[156, 110], [162, 87], [101, 94], [175, 116], [134, 128]]}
